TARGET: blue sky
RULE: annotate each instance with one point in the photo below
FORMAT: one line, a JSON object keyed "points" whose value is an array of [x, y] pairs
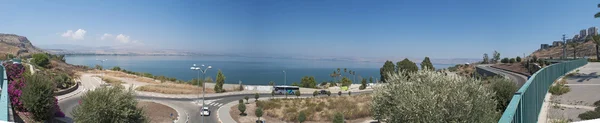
{"points": [[322, 28]]}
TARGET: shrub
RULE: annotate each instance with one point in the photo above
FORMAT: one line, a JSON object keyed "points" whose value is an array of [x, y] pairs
{"points": [[15, 76], [242, 108], [597, 103], [328, 93], [40, 59], [512, 60], [363, 84], [315, 93], [109, 105], [339, 93], [295, 84], [256, 96], [297, 93], [589, 115], [349, 93], [504, 60], [559, 89], [241, 101], [338, 118], [418, 98], [504, 89], [258, 112], [63, 81], [301, 116], [272, 94], [246, 97], [220, 81], [116, 68], [100, 68], [38, 97]]}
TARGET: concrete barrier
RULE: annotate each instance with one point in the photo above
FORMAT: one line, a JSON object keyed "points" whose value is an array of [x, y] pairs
{"points": [[68, 90]]}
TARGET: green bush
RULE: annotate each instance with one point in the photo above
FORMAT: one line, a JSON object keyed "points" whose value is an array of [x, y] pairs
{"points": [[559, 89], [504, 89], [116, 68], [505, 60], [256, 96], [589, 115], [512, 60], [109, 105], [241, 101], [242, 108], [297, 93], [40, 59], [363, 84], [597, 103], [38, 97], [98, 67], [315, 93], [429, 96], [328, 93], [258, 112], [220, 81], [246, 97], [63, 81], [301, 116], [338, 118], [519, 59]]}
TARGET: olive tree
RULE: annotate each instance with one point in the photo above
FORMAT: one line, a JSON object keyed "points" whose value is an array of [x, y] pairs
{"points": [[429, 96]]}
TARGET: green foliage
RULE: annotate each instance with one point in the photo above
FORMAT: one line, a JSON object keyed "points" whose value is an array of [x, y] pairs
{"points": [[504, 89], [426, 64], [241, 101], [427, 96], [271, 83], [10, 56], [589, 115], [109, 105], [518, 59], [338, 118], [328, 93], [38, 97], [242, 108], [597, 103], [315, 93], [387, 68], [339, 93], [295, 84], [63, 81], [272, 94], [308, 82], [406, 65], [256, 96], [98, 67], [496, 56], [559, 89], [505, 60], [363, 84], [258, 112], [346, 81], [220, 81], [349, 93], [41, 59], [297, 93], [486, 59], [247, 98], [512, 60], [301, 116], [116, 68], [371, 79]]}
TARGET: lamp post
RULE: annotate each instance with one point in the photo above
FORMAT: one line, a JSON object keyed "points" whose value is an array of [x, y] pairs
{"points": [[102, 61], [199, 69], [285, 83]]}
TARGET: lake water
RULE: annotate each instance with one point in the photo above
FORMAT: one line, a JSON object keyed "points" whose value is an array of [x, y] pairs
{"points": [[251, 71]]}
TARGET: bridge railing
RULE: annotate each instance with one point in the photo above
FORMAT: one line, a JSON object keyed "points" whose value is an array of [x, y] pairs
{"points": [[4, 111], [526, 103]]}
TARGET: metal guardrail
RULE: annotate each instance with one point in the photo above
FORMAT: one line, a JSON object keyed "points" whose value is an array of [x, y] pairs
{"points": [[526, 103], [4, 101]]}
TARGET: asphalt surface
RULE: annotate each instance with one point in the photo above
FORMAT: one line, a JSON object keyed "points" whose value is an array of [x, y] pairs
{"points": [[517, 78], [185, 106]]}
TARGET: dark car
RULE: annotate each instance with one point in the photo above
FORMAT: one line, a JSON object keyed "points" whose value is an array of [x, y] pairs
{"points": [[323, 92]]}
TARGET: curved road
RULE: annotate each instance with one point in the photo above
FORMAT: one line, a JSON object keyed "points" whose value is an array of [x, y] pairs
{"points": [[185, 106], [517, 78]]}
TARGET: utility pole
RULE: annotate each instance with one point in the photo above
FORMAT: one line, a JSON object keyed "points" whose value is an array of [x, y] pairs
{"points": [[564, 47]]}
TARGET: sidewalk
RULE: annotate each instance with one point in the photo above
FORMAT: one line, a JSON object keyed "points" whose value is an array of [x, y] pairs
{"points": [[584, 85]]}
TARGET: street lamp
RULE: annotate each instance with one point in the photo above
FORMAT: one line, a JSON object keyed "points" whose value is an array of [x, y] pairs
{"points": [[199, 69], [102, 61], [285, 83]]}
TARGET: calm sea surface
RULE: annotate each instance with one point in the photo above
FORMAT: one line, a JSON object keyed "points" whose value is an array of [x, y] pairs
{"points": [[250, 71]]}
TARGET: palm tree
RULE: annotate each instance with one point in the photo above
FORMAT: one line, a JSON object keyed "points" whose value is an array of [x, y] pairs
{"points": [[574, 45], [596, 39]]}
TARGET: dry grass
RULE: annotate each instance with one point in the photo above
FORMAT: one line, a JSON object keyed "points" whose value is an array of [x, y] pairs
{"points": [[516, 67], [156, 112], [318, 109], [172, 88], [125, 75], [110, 80]]}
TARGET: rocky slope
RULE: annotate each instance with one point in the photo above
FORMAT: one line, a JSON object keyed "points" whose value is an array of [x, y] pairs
{"points": [[16, 45], [585, 49]]}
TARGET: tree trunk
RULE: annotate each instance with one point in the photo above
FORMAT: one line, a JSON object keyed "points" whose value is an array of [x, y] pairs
{"points": [[597, 54]]}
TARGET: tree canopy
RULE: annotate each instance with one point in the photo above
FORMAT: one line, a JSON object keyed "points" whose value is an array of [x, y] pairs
{"points": [[406, 65], [388, 68], [426, 64]]}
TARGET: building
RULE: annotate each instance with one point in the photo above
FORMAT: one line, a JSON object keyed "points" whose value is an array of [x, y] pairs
{"points": [[592, 31], [575, 37], [557, 43], [544, 46], [582, 34]]}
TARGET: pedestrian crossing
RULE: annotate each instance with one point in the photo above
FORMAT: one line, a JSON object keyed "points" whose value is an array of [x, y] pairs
{"points": [[208, 103]]}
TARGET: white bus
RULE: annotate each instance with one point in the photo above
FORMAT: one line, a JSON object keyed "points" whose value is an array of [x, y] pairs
{"points": [[290, 90]]}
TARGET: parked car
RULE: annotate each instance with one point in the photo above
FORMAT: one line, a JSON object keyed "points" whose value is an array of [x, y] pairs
{"points": [[205, 111], [323, 92]]}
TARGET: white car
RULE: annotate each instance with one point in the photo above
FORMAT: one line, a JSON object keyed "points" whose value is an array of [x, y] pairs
{"points": [[205, 111]]}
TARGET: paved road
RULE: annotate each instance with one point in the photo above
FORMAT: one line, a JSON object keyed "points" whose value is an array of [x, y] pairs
{"points": [[185, 106], [517, 78]]}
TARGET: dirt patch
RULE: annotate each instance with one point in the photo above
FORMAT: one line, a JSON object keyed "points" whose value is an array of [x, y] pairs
{"points": [[514, 67], [319, 110], [170, 88], [110, 80], [158, 113]]}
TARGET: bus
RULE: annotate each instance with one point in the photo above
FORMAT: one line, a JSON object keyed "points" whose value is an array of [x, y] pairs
{"points": [[290, 90]]}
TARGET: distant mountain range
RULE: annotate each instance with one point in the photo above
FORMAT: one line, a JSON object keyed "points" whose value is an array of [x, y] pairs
{"points": [[16, 45]]}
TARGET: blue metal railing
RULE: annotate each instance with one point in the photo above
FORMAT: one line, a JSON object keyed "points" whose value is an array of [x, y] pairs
{"points": [[526, 103], [4, 101]]}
